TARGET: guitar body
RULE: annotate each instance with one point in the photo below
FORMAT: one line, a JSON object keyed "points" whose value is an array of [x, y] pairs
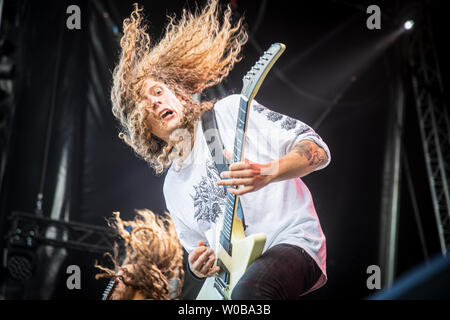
{"points": [[245, 251]]}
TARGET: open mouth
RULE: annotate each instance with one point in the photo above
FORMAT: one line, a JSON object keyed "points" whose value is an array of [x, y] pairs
{"points": [[166, 114]]}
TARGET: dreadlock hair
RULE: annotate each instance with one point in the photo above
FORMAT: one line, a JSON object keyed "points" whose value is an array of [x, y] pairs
{"points": [[197, 51], [153, 249]]}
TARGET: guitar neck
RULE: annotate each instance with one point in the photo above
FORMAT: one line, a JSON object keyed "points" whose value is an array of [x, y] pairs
{"points": [[238, 154], [241, 129]]}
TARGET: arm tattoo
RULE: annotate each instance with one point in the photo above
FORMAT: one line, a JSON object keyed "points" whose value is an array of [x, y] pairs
{"points": [[310, 151]]}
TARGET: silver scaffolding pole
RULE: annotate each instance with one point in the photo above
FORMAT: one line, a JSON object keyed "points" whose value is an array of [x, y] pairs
{"points": [[434, 125], [390, 198]]}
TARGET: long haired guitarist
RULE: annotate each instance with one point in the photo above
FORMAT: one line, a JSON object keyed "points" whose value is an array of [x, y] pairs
{"points": [[152, 96]]}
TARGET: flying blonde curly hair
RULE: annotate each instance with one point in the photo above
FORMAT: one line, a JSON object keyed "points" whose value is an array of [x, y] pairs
{"points": [[197, 51], [154, 251]]}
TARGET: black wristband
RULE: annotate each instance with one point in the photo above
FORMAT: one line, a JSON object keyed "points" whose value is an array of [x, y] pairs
{"points": [[192, 273]]}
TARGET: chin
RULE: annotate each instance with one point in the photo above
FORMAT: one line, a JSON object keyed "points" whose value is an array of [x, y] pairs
{"points": [[174, 124]]}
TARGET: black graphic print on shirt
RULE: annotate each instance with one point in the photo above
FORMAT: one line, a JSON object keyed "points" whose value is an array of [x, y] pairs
{"points": [[274, 116], [259, 108], [303, 129], [209, 198], [287, 123]]}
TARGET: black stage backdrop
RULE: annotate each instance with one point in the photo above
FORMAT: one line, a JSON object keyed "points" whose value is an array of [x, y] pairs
{"points": [[333, 66]]}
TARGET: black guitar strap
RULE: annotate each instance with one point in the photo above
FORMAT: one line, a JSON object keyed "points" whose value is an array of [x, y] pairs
{"points": [[209, 123]]}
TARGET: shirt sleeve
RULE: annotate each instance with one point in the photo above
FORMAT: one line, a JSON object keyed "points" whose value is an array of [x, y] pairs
{"points": [[287, 131], [270, 134]]}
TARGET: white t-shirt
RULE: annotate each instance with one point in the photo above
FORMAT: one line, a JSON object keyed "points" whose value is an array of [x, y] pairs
{"points": [[283, 210]]}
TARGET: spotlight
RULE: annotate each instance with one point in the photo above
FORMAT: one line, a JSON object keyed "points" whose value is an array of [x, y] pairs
{"points": [[408, 25]]}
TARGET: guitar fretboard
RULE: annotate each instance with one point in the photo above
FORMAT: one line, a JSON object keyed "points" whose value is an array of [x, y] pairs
{"points": [[241, 128]]}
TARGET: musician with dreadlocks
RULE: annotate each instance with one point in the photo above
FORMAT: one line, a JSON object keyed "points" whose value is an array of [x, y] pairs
{"points": [[152, 266], [152, 97]]}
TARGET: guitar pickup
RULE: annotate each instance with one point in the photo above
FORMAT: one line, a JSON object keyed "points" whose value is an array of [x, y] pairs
{"points": [[226, 244]]}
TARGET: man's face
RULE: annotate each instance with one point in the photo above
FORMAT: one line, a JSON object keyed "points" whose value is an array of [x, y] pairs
{"points": [[166, 110]]}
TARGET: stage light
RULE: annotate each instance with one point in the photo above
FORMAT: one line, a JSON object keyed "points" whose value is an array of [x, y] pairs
{"points": [[408, 25], [19, 256]]}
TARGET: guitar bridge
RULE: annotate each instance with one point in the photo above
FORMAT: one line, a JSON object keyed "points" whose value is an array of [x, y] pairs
{"points": [[224, 274], [221, 288], [222, 280]]}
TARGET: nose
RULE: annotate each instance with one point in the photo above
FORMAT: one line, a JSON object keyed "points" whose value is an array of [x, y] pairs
{"points": [[155, 102], [152, 99]]}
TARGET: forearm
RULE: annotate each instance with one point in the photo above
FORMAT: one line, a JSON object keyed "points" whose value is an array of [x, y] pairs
{"points": [[304, 157]]}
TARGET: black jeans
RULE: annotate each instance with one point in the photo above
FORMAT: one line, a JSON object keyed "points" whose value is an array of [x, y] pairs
{"points": [[283, 272]]}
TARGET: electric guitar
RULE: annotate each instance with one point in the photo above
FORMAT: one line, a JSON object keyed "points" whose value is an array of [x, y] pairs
{"points": [[235, 251]]}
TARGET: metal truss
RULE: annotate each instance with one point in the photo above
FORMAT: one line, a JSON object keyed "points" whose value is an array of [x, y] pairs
{"points": [[29, 230], [434, 126]]}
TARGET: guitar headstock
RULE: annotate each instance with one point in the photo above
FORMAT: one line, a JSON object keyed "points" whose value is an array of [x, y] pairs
{"points": [[253, 79]]}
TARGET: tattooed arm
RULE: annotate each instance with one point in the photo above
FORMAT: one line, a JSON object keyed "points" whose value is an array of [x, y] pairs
{"points": [[304, 157]]}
